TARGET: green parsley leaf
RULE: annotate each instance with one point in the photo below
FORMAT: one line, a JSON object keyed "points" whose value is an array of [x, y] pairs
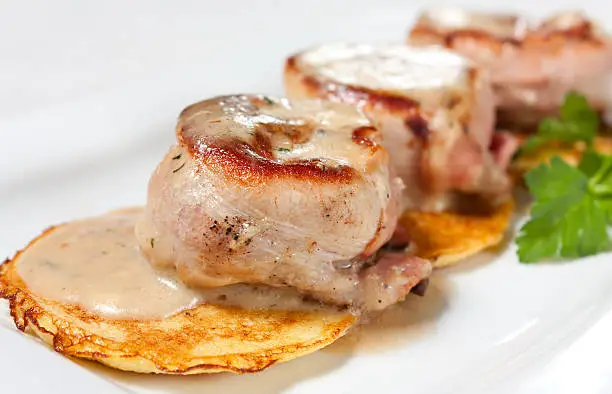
{"points": [[590, 162], [577, 122], [599, 170], [567, 219], [607, 207]]}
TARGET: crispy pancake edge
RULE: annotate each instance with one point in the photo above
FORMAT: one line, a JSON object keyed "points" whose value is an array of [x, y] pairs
{"points": [[206, 339], [447, 238]]}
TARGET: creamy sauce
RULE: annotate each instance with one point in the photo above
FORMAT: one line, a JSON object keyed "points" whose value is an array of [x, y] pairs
{"points": [[331, 131], [304, 129], [96, 263], [398, 325], [389, 67]]}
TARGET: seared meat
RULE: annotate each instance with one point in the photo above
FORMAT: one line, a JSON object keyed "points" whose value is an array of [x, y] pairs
{"points": [[434, 108], [532, 65], [268, 191]]}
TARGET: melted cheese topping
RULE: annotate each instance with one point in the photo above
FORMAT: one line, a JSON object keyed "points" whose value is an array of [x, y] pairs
{"points": [[387, 67]]}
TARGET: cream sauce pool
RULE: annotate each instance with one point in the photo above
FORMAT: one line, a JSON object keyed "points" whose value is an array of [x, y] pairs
{"points": [[96, 263]]}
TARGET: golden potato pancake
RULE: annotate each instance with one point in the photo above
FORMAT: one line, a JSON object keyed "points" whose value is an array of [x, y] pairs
{"points": [[446, 238], [571, 154], [206, 339]]}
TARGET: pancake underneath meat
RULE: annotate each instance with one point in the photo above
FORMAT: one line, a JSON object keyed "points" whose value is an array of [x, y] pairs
{"points": [[446, 238], [205, 339]]}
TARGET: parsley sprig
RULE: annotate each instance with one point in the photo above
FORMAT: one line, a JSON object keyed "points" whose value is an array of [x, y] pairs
{"points": [[572, 206], [577, 122]]}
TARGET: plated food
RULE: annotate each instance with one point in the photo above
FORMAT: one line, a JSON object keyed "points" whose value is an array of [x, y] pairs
{"points": [[434, 108], [227, 205], [532, 63], [436, 112], [86, 291], [273, 226], [222, 270]]}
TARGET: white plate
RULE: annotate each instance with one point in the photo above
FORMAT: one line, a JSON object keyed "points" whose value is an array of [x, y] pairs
{"points": [[88, 96]]}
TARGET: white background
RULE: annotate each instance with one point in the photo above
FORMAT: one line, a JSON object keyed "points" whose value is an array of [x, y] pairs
{"points": [[89, 92]]}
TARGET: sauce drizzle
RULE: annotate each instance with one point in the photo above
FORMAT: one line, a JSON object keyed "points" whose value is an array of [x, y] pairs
{"points": [[96, 263]]}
